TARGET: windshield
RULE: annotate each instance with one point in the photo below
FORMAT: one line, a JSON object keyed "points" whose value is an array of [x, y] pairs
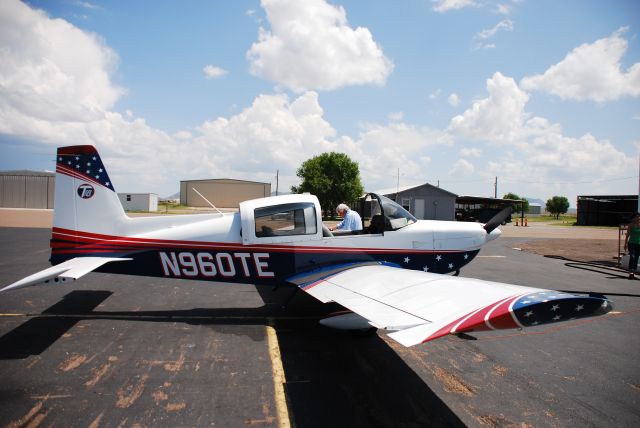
{"points": [[397, 216]]}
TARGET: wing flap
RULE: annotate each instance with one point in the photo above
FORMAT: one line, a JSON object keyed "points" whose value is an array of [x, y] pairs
{"points": [[69, 270], [378, 313], [416, 335]]}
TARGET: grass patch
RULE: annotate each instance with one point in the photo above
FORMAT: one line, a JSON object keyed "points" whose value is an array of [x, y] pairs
{"points": [[563, 220], [164, 206]]}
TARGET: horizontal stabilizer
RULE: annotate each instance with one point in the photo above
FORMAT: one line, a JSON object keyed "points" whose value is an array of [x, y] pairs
{"points": [[67, 271]]}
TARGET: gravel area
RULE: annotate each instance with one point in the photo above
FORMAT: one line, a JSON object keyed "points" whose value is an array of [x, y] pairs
{"points": [[585, 244]]}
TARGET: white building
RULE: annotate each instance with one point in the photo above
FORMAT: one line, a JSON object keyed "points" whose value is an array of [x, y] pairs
{"points": [[139, 201]]}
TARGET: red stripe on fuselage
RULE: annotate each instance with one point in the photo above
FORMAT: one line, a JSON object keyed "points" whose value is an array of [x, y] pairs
{"points": [[82, 238]]}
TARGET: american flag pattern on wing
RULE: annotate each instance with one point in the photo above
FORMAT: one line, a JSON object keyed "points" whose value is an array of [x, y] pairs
{"points": [[83, 163], [552, 306], [528, 310]]}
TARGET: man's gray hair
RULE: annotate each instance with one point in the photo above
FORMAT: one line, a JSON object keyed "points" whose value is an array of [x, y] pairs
{"points": [[342, 207]]}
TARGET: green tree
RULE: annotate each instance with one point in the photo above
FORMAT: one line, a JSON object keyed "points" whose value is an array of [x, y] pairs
{"points": [[516, 208], [333, 177], [557, 205]]}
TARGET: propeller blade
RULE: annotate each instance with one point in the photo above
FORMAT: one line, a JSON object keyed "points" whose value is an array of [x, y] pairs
{"points": [[497, 219]]}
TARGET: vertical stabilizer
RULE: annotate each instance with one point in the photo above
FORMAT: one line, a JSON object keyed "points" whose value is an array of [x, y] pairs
{"points": [[85, 199]]}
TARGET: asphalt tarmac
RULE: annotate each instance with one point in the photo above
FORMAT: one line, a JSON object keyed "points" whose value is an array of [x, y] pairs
{"points": [[120, 351]]}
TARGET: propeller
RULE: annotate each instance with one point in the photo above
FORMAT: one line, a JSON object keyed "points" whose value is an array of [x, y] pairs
{"points": [[497, 219]]}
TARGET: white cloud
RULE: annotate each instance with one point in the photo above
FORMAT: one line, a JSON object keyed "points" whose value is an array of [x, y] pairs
{"points": [[470, 152], [183, 135], [447, 5], [381, 149], [529, 149], [311, 46], [275, 132], [396, 116], [483, 36], [504, 25], [86, 5], [500, 118], [272, 133], [454, 100], [590, 72], [51, 70], [213, 72], [503, 9], [462, 167], [435, 94]]}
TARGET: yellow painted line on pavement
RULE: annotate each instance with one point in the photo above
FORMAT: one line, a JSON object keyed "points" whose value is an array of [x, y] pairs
{"points": [[279, 379]]}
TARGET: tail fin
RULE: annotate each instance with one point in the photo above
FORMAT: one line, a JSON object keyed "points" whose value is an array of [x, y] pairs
{"points": [[85, 200]]}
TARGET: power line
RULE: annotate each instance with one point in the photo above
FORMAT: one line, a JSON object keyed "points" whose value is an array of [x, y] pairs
{"points": [[514, 181]]}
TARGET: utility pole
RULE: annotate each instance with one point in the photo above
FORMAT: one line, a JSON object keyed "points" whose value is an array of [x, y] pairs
{"points": [[277, 180], [495, 188]]}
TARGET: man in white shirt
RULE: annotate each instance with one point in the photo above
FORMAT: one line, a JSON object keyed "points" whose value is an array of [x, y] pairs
{"points": [[350, 219]]}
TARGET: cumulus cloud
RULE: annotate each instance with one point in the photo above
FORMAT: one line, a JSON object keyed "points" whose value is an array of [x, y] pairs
{"points": [[454, 100], [381, 149], [529, 148], [462, 167], [311, 46], [470, 152], [37, 68], [447, 5], [590, 72], [56, 88], [213, 72], [51, 70], [500, 117], [272, 132]]}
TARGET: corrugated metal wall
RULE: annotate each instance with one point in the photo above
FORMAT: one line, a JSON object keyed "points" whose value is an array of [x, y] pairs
{"points": [[223, 193], [26, 191]]}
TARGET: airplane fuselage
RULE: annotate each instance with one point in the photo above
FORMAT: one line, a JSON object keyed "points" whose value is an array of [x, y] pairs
{"points": [[226, 260]]}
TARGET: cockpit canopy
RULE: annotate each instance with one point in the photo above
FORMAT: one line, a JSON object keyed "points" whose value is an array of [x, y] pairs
{"points": [[385, 214], [297, 218]]}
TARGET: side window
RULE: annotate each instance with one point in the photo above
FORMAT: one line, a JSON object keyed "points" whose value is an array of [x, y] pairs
{"points": [[286, 220]]}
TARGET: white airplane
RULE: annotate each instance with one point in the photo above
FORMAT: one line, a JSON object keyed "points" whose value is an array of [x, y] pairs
{"points": [[389, 275]]}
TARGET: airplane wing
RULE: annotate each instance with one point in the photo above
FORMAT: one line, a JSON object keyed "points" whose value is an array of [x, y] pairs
{"points": [[69, 270], [423, 306]]}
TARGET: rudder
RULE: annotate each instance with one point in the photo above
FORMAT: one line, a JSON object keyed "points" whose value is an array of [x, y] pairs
{"points": [[85, 200]]}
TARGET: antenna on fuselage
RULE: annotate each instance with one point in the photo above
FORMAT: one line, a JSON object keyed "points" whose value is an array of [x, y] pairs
{"points": [[207, 200]]}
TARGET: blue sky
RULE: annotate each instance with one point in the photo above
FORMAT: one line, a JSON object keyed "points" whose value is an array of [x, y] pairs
{"points": [[542, 94]]}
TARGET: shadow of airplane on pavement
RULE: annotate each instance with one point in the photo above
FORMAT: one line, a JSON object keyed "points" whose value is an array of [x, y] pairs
{"points": [[332, 378]]}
